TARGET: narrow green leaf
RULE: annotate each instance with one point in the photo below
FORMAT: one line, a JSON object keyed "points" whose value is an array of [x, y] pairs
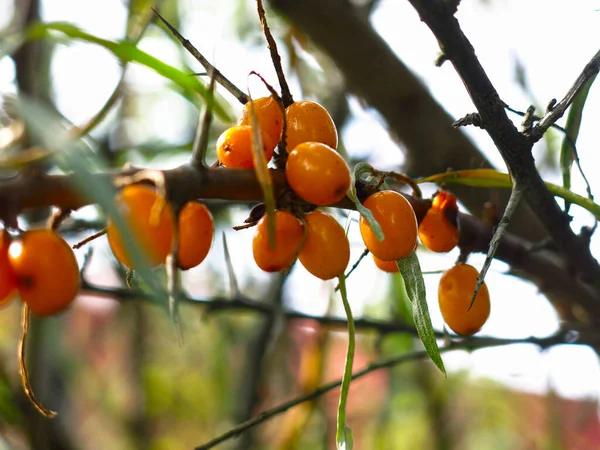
{"points": [[262, 173], [126, 52], [489, 178], [567, 149], [343, 435], [410, 269], [360, 169]]}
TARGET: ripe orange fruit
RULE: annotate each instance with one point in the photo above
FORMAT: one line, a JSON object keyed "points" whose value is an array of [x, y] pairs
{"points": [[309, 122], [46, 271], [154, 235], [438, 230], [234, 147], [8, 281], [326, 251], [269, 115], [317, 173], [288, 238], [455, 292], [398, 223], [386, 266], [196, 231]]}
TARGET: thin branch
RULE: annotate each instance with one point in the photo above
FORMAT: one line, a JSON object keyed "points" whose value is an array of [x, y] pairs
{"points": [[221, 79], [472, 343], [285, 89], [590, 70]]}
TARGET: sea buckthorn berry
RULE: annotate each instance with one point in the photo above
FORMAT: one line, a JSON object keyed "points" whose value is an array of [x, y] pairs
{"points": [[151, 223], [196, 231], [234, 147], [438, 230], [8, 281], [317, 173], [288, 239], [386, 266], [455, 293], [308, 121], [397, 219], [269, 115], [326, 251], [46, 271]]}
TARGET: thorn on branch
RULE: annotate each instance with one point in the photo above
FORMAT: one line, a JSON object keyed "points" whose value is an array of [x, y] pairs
{"points": [[441, 59], [528, 120], [550, 106], [470, 119]]}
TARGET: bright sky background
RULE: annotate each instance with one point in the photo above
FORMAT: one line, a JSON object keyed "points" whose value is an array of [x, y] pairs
{"points": [[553, 39]]}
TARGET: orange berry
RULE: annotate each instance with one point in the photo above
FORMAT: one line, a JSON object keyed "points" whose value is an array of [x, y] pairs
{"points": [[8, 280], [317, 173], [326, 251], [386, 266], [455, 292], [234, 147], [309, 122], [138, 205], [196, 231], [438, 230], [269, 115], [398, 223], [46, 270], [288, 238]]}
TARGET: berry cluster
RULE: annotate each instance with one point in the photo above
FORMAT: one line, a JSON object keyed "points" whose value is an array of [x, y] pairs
{"points": [[41, 266], [151, 222]]}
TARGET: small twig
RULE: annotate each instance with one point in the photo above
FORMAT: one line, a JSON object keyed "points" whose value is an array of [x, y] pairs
{"points": [[234, 290], [57, 217], [465, 344], [89, 239], [354, 266], [23, 373], [285, 89], [528, 120], [559, 108], [515, 197], [200, 144], [231, 88], [588, 188]]}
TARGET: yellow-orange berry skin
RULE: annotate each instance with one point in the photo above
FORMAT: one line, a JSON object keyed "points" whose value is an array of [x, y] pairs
{"points": [[269, 115], [234, 147], [46, 271], [455, 292], [288, 239], [308, 121], [196, 231], [438, 230], [326, 251], [398, 222], [150, 222], [317, 173], [386, 266], [8, 281]]}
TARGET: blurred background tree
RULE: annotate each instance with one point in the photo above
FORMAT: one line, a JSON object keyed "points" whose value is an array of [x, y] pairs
{"points": [[112, 366]]}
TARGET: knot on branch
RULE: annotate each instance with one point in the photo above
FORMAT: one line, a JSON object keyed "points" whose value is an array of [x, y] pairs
{"points": [[470, 119]]}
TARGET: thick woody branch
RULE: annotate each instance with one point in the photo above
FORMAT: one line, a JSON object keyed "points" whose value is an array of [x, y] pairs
{"points": [[547, 269], [514, 147]]}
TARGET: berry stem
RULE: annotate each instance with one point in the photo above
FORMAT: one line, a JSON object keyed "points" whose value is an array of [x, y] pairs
{"points": [[285, 89]]}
